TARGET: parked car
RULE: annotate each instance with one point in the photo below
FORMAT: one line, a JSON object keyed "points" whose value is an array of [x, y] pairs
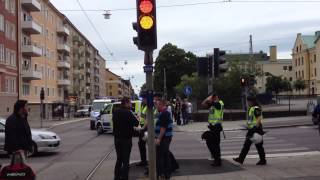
{"points": [[83, 111], [42, 140], [104, 121]]}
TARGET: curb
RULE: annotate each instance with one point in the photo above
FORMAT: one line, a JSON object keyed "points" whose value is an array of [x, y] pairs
{"points": [[239, 129]]}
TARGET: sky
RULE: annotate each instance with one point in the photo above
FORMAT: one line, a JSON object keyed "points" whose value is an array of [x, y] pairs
{"points": [[197, 28]]}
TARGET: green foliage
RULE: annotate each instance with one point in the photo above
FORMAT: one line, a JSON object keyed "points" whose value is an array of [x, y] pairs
{"points": [[276, 84], [177, 63], [198, 85], [299, 85]]}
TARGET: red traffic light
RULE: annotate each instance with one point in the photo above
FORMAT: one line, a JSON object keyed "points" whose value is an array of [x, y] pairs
{"points": [[146, 6]]}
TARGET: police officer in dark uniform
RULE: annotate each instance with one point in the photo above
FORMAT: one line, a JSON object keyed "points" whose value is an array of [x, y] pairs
{"points": [[215, 119]]}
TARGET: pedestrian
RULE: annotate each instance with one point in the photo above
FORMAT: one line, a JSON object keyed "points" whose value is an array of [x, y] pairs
{"points": [[215, 119], [189, 111], [143, 128], [178, 111], [184, 111], [124, 122], [316, 114], [164, 133], [254, 125], [17, 130]]}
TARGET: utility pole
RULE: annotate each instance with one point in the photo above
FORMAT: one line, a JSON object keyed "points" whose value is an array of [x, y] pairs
{"points": [[251, 60], [165, 84], [148, 69], [210, 76]]}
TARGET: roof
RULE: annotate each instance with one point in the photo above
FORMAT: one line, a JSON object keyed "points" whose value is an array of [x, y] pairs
{"points": [[278, 61], [309, 40]]}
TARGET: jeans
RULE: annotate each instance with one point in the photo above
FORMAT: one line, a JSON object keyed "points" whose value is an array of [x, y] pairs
{"points": [[123, 150], [163, 157], [142, 147]]}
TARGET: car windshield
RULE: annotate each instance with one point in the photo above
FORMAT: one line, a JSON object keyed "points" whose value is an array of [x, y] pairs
{"points": [[84, 107], [98, 105]]}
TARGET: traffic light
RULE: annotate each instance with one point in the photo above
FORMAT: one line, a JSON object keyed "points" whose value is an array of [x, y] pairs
{"points": [[210, 63], [202, 66], [146, 25], [220, 65], [243, 81]]}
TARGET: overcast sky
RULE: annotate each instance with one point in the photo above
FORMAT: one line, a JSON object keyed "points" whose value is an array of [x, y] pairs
{"points": [[196, 28]]}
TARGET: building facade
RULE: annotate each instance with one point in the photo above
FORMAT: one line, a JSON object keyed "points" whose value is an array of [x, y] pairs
{"points": [[8, 56], [305, 60], [116, 87]]}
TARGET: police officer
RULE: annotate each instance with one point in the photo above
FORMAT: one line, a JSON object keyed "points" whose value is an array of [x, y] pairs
{"points": [[254, 125], [142, 142], [215, 119]]}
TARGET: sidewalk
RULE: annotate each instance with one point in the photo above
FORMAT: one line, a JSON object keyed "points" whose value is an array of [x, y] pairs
{"points": [[240, 125], [52, 123]]}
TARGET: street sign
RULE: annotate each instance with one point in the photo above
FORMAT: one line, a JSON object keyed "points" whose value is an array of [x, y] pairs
{"points": [[188, 90]]}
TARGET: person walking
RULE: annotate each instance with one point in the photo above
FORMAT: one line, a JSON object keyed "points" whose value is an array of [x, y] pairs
{"points": [[17, 130], [143, 128], [254, 125], [184, 111], [164, 133], [124, 122], [316, 114], [178, 111], [189, 111], [215, 119]]}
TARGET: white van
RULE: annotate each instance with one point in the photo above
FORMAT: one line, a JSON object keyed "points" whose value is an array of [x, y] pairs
{"points": [[104, 122], [97, 106]]}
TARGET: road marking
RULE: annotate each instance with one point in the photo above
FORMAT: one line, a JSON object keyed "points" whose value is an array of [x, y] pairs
{"points": [[67, 122], [269, 150], [310, 153]]}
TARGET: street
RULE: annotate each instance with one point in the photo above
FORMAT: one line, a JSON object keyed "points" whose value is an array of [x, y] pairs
{"points": [[84, 155]]}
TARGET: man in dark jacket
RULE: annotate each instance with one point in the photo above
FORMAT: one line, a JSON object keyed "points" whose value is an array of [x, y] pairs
{"points": [[123, 127], [17, 129]]}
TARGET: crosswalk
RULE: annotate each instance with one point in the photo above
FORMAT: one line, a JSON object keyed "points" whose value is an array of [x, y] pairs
{"points": [[231, 146]]}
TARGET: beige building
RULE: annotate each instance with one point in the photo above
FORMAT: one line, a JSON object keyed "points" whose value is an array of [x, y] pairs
{"points": [[274, 66], [305, 60], [116, 87]]}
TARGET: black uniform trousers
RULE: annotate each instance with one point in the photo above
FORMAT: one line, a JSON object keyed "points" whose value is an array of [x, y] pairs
{"points": [[163, 157], [142, 146], [123, 150], [213, 142], [247, 145]]}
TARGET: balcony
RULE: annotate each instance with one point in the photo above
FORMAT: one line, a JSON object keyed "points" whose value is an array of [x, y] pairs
{"points": [[31, 50], [88, 71], [29, 74], [63, 48], [31, 5], [63, 64], [64, 82], [31, 27], [62, 30]]}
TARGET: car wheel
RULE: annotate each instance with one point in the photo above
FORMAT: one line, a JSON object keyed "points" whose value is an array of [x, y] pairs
{"points": [[92, 125], [34, 150], [99, 129]]}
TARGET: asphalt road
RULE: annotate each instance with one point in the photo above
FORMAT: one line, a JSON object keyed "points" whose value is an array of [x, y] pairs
{"points": [[81, 150]]}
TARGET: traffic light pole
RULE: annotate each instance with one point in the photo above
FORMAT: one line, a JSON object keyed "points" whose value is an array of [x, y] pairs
{"points": [[148, 61]]}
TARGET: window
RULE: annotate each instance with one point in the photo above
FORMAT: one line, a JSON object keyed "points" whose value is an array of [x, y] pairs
{"points": [[296, 62], [315, 58], [299, 62], [302, 61], [13, 59], [1, 23], [315, 72], [60, 92], [7, 59], [48, 91], [52, 92], [12, 7], [25, 89], [290, 79], [285, 68], [110, 94], [296, 75], [36, 90], [299, 74], [2, 53], [302, 73], [7, 4], [6, 86], [10, 31]]}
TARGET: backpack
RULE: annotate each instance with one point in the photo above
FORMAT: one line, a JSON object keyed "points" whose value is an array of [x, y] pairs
{"points": [[17, 170]]}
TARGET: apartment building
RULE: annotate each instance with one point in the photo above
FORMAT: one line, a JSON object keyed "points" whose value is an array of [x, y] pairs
{"points": [[116, 87], [8, 56], [274, 66], [305, 60], [45, 51]]}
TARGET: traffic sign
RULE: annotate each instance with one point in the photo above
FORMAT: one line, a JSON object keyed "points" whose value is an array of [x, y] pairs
{"points": [[188, 90]]}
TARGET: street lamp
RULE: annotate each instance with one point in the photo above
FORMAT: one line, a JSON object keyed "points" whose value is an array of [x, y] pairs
{"points": [[107, 14]]}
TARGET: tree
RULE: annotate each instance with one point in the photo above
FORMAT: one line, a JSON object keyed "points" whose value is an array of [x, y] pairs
{"points": [[276, 84], [177, 63], [299, 85], [198, 85]]}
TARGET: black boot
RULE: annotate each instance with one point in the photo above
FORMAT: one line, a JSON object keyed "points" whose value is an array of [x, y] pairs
{"points": [[262, 163], [238, 160]]}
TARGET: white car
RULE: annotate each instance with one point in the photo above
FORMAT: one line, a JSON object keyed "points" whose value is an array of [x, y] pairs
{"points": [[42, 140]]}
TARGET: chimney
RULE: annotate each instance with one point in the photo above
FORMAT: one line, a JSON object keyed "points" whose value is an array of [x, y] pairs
{"points": [[273, 53]]}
